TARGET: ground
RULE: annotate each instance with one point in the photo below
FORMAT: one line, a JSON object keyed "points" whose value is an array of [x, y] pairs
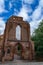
{"points": [[18, 62]]}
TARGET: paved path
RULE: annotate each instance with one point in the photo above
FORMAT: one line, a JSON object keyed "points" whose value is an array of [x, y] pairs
{"points": [[21, 62]]}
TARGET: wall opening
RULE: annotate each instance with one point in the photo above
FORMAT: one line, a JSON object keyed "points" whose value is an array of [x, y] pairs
{"points": [[18, 32], [8, 51]]}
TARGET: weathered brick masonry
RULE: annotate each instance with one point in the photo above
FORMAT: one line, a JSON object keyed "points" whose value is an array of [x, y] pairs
{"points": [[10, 42]]}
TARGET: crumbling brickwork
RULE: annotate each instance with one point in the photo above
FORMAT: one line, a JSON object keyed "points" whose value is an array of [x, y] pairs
{"points": [[11, 42]]}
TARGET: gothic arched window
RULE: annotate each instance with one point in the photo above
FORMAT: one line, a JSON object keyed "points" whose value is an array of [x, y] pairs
{"points": [[18, 32]]}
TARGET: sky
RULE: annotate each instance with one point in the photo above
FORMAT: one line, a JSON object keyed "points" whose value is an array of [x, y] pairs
{"points": [[30, 10]]}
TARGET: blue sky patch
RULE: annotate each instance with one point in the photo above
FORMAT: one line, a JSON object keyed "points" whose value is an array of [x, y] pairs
{"points": [[30, 10]]}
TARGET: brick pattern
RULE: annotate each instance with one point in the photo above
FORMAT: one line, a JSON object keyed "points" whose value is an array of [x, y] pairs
{"points": [[10, 42]]}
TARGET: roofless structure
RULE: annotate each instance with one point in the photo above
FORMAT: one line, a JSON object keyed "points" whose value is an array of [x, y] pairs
{"points": [[16, 42]]}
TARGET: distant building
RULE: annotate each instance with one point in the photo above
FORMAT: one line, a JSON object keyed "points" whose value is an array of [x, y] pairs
{"points": [[16, 42]]}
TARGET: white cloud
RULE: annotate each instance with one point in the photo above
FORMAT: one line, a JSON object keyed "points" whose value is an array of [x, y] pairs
{"points": [[10, 4], [34, 24], [36, 17], [36, 14], [15, 11], [23, 13], [2, 6], [28, 1], [41, 3], [2, 26]]}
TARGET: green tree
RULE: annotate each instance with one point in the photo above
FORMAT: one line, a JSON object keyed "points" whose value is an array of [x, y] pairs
{"points": [[37, 37]]}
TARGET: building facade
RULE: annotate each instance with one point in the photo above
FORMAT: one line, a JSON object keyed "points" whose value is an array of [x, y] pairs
{"points": [[16, 41]]}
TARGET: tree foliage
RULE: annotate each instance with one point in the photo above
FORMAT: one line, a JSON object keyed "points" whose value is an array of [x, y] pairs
{"points": [[37, 37]]}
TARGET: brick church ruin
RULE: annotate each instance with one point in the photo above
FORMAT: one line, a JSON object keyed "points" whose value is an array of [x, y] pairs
{"points": [[16, 41]]}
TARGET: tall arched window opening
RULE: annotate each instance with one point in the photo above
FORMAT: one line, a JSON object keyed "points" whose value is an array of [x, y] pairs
{"points": [[18, 32]]}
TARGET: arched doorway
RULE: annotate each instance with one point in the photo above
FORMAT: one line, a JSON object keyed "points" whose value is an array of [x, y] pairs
{"points": [[18, 51]]}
